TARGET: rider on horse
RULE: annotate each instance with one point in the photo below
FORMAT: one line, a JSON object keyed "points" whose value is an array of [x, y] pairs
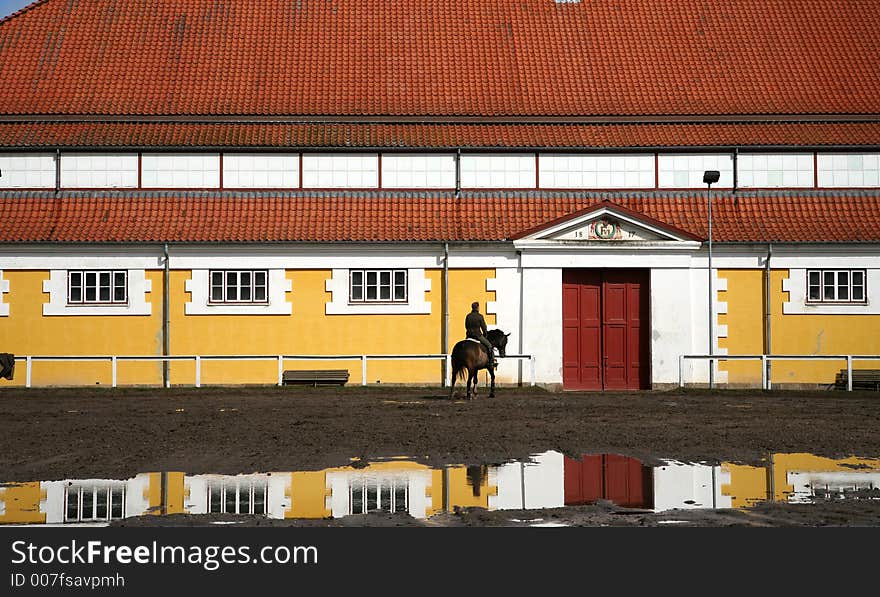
{"points": [[475, 326]]}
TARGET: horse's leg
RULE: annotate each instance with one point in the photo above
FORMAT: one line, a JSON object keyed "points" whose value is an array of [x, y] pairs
{"points": [[471, 386], [492, 387], [452, 389]]}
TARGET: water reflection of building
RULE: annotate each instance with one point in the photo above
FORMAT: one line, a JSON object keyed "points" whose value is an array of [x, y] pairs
{"points": [[548, 480]]}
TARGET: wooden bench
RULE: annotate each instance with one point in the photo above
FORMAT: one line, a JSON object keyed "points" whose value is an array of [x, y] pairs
{"points": [[862, 379], [313, 377]]}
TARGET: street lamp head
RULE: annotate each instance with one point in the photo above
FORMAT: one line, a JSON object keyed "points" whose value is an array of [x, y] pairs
{"points": [[711, 176]]}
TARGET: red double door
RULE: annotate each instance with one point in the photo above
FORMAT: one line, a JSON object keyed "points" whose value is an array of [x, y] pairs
{"points": [[605, 329]]}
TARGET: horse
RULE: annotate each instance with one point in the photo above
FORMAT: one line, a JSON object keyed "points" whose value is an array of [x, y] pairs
{"points": [[470, 355]]}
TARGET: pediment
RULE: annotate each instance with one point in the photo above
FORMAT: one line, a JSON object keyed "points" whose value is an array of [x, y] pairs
{"points": [[606, 224]]}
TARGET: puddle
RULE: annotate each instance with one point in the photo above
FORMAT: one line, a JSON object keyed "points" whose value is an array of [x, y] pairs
{"points": [[546, 481]]}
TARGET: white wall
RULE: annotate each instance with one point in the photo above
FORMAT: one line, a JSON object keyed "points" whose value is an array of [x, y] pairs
{"points": [[684, 486], [539, 483], [542, 333]]}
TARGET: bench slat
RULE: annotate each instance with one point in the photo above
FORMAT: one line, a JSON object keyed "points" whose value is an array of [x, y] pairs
{"points": [[315, 376]]}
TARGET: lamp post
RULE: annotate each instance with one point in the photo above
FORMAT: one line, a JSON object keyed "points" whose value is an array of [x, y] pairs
{"points": [[710, 177]]}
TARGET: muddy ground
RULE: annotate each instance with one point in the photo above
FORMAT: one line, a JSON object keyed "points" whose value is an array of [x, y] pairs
{"points": [[48, 434]]}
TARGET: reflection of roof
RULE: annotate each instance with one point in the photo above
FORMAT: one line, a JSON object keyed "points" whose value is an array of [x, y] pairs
{"points": [[420, 135], [441, 57], [793, 216]]}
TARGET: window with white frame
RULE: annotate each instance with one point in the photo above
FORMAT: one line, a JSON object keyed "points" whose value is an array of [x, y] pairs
{"points": [[685, 171], [239, 286], [180, 170], [27, 171], [836, 286], [88, 503], [377, 285], [343, 170], [99, 170], [602, 171], [498, 171], [769, 170], [418, 171], [97, 287], [260, 170], [238, 497], [378, 495], [848, 169]]}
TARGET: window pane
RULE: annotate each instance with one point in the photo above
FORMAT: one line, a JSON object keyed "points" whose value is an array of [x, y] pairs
{"points": [[91, 294], [260, 293], [357, 499], [372, 278], [357, 293], [230, 500], [214, 499], [216, 278], [815, 293], [116, 505], [828, 282], [88, 501], [858, 278], [385, 292], [385, 278], [72, 504], [260, 499], [75, 294], [119, 293], [858, 293], [372, 293], [76, 278], [259, 278], [814, 278], [357, 278], [232, 293], [103, 499], [91, 279], [217, 293], [105, 294], [245, 279], [245, 293]]}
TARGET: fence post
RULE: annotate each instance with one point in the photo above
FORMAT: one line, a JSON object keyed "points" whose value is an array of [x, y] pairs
{"points": [[28, 367], [763, 371], [849, 373], [113, 371], [447, 372], [532, 367], [363, 370], [280, 369], [198, 371], [681, 371]]}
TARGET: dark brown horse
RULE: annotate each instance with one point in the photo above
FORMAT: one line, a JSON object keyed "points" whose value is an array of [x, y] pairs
{"points": [[471, 356]]}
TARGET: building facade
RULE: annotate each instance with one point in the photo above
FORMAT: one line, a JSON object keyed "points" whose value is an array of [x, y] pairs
{"points": [[282, 177]]}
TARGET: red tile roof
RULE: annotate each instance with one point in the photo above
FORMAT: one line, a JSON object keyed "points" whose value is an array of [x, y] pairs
{"points": [[442, 57], [132, 217], [317, 135]]}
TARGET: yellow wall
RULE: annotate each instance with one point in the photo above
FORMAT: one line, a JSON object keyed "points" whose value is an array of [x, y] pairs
{"points": [[22, 503], [748, 484], [463, 494], [790, 334], [307, 331], [27, 332]]}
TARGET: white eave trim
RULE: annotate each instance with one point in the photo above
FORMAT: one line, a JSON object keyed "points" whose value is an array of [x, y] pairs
{"points": [[574, 245]]}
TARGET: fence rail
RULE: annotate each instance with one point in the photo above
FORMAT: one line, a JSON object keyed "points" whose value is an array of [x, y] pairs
{"points": [[114, 360], [766, 359]]}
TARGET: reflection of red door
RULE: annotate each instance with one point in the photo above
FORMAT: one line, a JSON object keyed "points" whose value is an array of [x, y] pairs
{"points": [[619, 479], [604, 330]]}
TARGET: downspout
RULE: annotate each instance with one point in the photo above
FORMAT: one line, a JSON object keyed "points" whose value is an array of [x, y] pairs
{"points": [[735, 168], [57, 172], [522, 283], [166, 324], [768, 346], [445, 325], [458, 173]]}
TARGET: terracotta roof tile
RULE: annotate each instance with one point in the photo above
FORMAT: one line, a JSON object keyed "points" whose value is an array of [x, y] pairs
{"points": [[441, 57], [315, 135], [132, 217]]}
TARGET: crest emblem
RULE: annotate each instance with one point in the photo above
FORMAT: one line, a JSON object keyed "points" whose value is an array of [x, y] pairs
{"points": [[605, 229]]}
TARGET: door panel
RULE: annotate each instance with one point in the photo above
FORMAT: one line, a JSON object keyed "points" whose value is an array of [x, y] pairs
{"points": [[605, 327]]}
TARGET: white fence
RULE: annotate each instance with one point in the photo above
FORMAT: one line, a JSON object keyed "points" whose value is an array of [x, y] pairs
{"points": [[114, 361], [766, 359]]}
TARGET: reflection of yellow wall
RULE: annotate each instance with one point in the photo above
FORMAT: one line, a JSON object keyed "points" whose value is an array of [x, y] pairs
{"points": [[748, 484], [461, 492], [782, 464], [27, 332], [308, 493], [22, 503], [790, 334], [308, 330], [173, 489]]}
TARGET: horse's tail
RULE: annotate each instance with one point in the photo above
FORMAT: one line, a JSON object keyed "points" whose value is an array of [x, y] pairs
{"points": [[459, 370]]}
